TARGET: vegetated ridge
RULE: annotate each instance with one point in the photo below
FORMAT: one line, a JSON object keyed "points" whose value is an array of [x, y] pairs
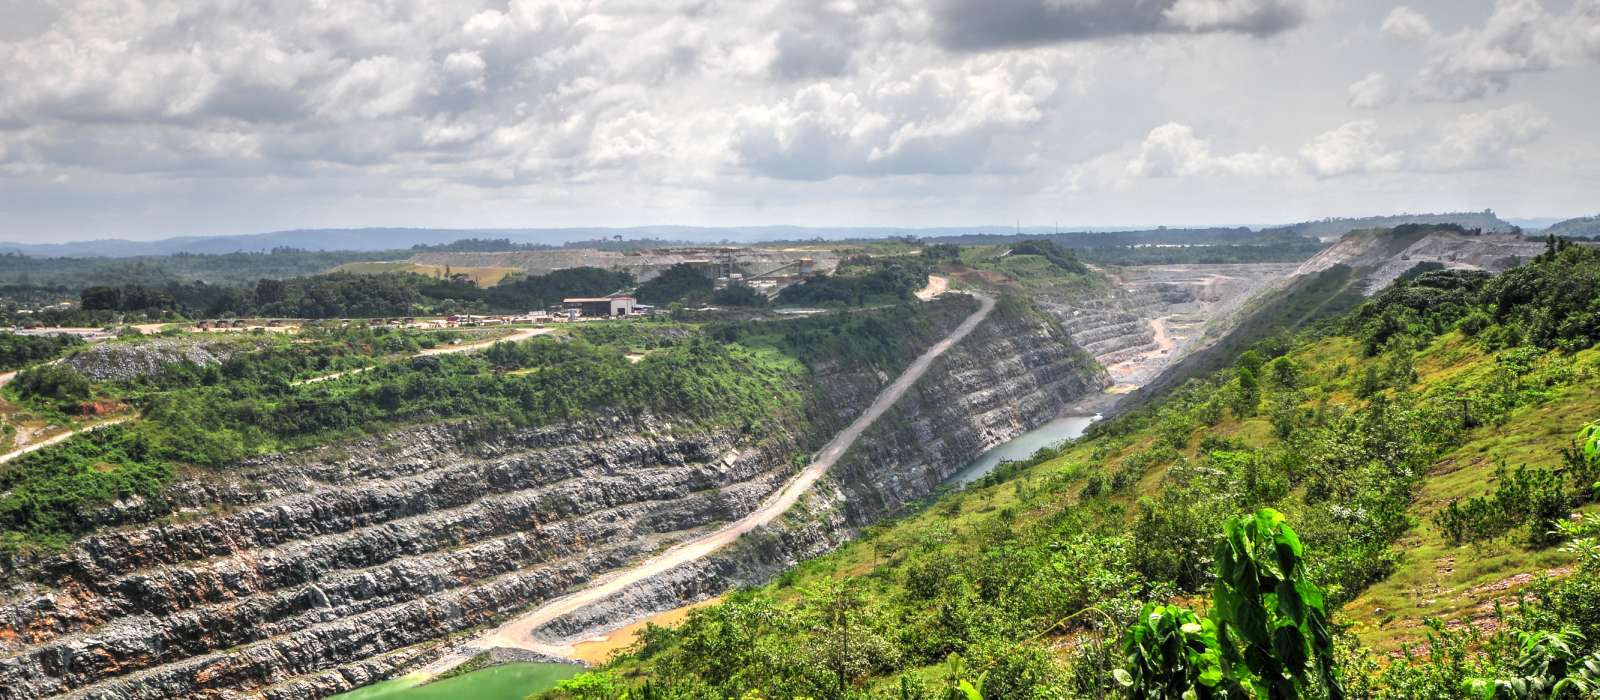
{"points": [[1335, 281], [1429, 447], [1327, 229], [1579, 227]]}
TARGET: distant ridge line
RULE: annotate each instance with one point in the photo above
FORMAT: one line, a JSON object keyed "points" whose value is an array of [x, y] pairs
{"points": [[399, 238]]}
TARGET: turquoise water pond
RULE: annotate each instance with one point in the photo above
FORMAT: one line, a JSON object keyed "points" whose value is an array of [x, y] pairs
{"points": [[505, 682]]}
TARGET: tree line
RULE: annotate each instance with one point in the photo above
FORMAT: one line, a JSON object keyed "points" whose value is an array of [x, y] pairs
{"points": [[341, 294]]}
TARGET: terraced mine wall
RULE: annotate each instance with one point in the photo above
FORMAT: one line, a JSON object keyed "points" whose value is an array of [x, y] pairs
{"points": [[1119, 327], [1011, 375], [305, 575], [1330, 284]]}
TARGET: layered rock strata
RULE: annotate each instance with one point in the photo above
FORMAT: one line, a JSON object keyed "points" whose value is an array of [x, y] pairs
{"points": [[305, 575], [1011, 375]]}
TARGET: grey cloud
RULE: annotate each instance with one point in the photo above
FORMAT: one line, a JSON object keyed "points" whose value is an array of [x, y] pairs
{"points": [[819, 39], [1519, 37], [24, 18], [976, 25], [1371, 92], [806, 56], [936, 121], [302, 109]]}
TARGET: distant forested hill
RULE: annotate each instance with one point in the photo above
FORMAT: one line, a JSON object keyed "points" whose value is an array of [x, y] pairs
{"points": [[1581, 227], [78, 272], [1484, 221]]}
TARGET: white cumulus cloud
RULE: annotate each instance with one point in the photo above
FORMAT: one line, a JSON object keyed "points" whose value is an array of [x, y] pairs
{"points": [[1173, 150], [1520, 36], [1408, 24], [1352, 148], [1371, 92], [1489, 139]]}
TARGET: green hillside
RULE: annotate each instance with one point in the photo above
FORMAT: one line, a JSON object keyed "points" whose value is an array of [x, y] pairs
{"points": [[1426, 448]]}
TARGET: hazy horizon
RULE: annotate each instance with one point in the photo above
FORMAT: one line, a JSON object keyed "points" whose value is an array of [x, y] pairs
{"points": [[751, 233]]}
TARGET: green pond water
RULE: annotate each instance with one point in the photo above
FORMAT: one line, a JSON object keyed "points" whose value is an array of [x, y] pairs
{"points": [[505, 682]]}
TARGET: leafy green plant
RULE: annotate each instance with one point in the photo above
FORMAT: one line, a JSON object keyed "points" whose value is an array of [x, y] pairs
{"points": [[961, 687], [1589, 442], [1266, 636], [1173, 653], [1551, 666], [1270, 616]]}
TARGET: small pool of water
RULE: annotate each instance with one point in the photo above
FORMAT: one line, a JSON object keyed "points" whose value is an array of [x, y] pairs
{"points": [[1022, 447], [504, 682]]}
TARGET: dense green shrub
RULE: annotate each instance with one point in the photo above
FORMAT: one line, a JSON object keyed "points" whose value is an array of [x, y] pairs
{"points": [[342, 294], [887, 338], [861, 280], [1060, 257], [55, 386], [681, 282], [1535, 498], [1555, 297], [46, 496], [17, 351]]}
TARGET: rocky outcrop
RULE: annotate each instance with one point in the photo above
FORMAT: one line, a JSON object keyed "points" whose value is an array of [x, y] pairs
{"points": [[308, 574], [123, 361], [1380, 257]]}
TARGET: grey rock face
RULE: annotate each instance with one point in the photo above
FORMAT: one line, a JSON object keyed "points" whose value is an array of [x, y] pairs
{"points": [[124, 361], [301, 576], [1010, 376]]}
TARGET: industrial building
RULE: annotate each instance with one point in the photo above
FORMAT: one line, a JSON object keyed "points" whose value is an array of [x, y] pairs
{"points": [[601, 307]]}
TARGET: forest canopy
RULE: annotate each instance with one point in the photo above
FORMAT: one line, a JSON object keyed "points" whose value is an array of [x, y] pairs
{"points": [[344, 294]]}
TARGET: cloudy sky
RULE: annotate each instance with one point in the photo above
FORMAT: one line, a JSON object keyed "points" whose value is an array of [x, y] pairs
{"points": [[141, 119]]}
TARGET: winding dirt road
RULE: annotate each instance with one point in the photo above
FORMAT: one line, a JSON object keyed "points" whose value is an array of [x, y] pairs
{"points": [[6, 377], [518, 633], [58, 437], [518, 336]]}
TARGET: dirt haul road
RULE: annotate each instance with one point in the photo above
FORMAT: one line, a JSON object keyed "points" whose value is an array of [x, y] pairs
{"points": [[516, 337], [53, 439], [520, 335], [518, 633]]}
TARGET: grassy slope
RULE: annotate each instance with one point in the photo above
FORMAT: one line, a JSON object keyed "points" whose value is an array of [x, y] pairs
{"points": [[1436, 579], [1432, 579]]}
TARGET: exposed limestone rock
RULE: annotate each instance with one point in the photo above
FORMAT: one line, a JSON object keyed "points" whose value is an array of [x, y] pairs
{"points": [[123, 361], [1384, 256], [1120, 328], [1006, 379]]}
